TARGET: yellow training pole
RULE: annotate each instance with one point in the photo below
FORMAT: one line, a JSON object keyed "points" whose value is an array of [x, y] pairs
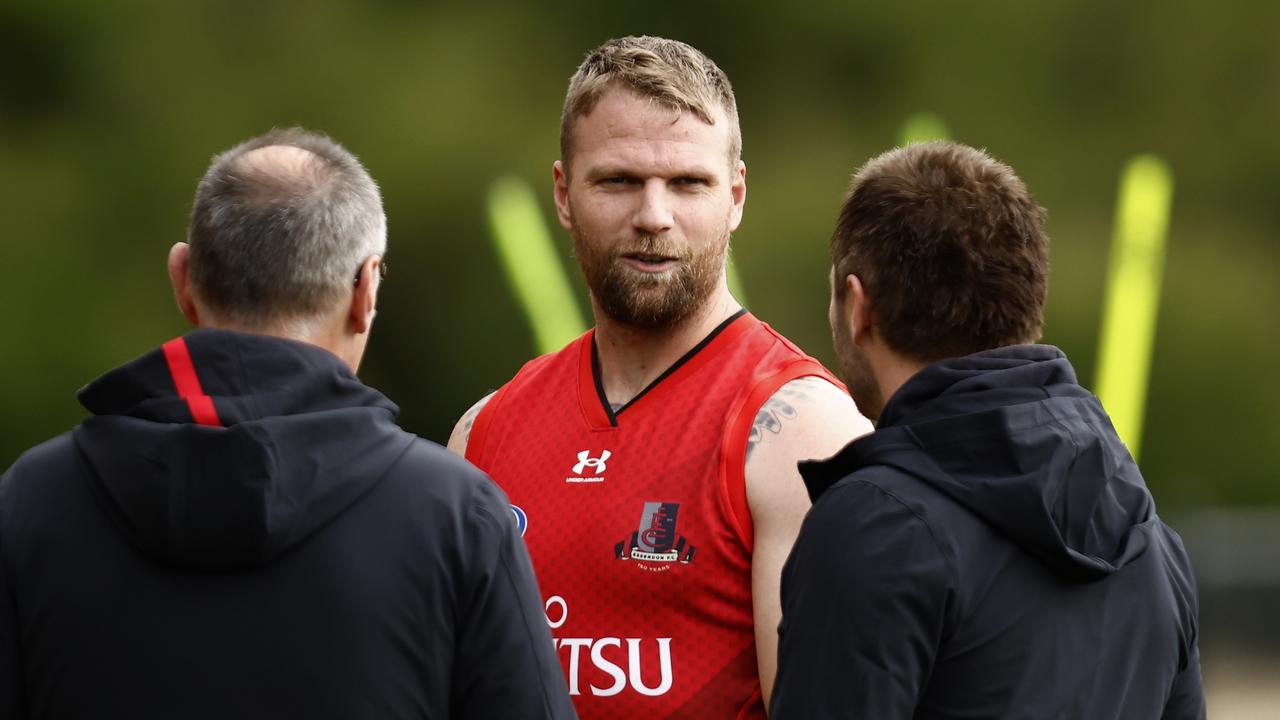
{"points": [[1133, 294], [532, 268], [923, 127], [735, 282]]}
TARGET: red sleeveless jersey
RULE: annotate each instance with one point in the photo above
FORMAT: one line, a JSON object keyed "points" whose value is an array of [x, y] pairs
{"points": [[637, 520]]}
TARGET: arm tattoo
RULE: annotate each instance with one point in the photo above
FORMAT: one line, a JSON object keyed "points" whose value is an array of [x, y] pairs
{"points": [[470, 418], [771, 414]]}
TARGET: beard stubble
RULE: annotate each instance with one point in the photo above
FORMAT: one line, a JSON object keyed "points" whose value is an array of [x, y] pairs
{"points": [[855, 370], [651, 301]]}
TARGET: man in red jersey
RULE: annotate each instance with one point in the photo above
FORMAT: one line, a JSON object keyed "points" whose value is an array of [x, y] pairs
{"points": [[652, 462]]}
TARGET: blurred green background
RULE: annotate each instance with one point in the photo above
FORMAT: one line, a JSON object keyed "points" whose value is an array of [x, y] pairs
{"points": [[109, 113]]}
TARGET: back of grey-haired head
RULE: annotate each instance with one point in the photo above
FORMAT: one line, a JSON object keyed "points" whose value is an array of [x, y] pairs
{"points": [[279, 237]]}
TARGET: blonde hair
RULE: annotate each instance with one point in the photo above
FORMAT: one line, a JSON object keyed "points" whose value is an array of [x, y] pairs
{"points": [[668, 71]]}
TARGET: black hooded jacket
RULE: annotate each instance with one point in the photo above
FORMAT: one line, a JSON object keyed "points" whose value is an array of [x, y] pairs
{"points": [[292, 555], [991, 551]]}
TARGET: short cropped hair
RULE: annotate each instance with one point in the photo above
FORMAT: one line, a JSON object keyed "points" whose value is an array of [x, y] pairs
{"points": [[668, 71], [950, 248], [278, 242]]}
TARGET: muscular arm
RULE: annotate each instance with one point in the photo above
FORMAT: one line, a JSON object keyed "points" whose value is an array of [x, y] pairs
{"points": [[805, 419], [462, 431]]}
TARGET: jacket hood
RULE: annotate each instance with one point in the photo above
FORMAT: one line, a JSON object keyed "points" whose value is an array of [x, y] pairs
{"points": [[286, 439], [1010, 435]]}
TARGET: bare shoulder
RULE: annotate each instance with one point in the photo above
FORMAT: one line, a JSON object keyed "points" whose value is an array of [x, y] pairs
{"points": [[807, 418], [462, 431]]}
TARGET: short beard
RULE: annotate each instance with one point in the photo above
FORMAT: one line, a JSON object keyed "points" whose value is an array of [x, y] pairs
{"points": [[857, 375], [651, 301]]}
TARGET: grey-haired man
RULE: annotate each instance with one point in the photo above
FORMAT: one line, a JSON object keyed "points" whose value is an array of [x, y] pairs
{"points": [[240, 529]]}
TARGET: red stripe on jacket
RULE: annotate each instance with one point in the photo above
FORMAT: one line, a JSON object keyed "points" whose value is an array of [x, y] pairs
{"points": [[188, 383]]}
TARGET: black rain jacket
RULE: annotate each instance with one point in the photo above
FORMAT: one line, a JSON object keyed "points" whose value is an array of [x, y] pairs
{"points": [[301, 558], [991, 551]]}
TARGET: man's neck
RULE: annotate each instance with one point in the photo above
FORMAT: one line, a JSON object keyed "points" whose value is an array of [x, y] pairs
{"points": [[892, 370], [632, 358], [327, 337]]}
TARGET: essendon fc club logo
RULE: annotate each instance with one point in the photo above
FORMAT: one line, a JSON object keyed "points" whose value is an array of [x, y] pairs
{"points": [[656, 539]]}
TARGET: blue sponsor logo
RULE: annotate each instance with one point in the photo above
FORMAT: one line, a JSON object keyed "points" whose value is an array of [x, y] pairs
{"points": [[522, 520]]}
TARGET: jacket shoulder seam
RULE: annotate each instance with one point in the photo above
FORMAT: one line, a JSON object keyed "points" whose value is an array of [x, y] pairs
{"points": [[953, 574]]}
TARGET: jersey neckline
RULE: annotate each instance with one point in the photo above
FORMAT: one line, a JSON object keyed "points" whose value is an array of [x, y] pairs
{"points": [[591, 388]]}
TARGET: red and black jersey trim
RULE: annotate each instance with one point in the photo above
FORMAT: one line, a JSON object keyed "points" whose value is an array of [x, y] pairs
{"points": [[595, 376], [595, 368]]}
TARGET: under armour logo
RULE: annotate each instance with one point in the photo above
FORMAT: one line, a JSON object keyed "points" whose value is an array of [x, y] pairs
{"points": [[586, 461]]}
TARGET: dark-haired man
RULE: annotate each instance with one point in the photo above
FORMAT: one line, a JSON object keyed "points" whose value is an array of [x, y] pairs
{"points": [[653, 460], [991, 550], [240, 530]]}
